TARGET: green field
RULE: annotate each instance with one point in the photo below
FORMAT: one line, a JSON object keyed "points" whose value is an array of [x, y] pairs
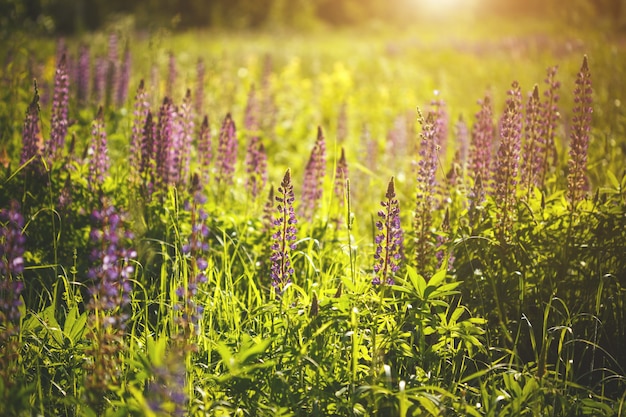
{"points": [[465, 257]]}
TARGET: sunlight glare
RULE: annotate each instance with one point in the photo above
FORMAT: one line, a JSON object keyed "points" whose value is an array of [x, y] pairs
{"points": [[445, 8]]}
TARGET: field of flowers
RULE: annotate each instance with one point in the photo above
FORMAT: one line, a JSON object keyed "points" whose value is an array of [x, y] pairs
{"points": [[348, 224]]}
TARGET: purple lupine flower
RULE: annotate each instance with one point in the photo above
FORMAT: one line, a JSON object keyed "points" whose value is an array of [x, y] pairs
{"points": [[284, 236], [462, 138], [165, 391], [481, 148], [341, 175], [110, 287], [83, 73], [441, 120], [148, 154], [506, 166], [172, 75], [205, 150], [199, 102], [31, 135], [100, 80], [112, 269], [185, 121], [256, 166], [12, 242], [226, 152], [268, 211], [550, 117], [196, 250], [60, 104], [398, 139], [389, 239], [425, 195], [532, 161], [121, 91], [97, 152], [164, 143], [313, 185], [140, 113], [577, 182]]}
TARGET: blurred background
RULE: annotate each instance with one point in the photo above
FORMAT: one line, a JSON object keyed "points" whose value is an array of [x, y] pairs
{"points": [[69, 17]]}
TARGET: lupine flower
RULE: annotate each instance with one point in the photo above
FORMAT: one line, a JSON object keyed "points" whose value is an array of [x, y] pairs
{"points": [[200, 70], [425, 196], [284, 236], [341, 175], [121, 92], [550, 117], [97, 152], [140, 113], [196, 250], [60, 103], [148, 154], [532, 162], [256, 167], [389, 239], [314, 174], [165, 392], [577, 182], [268, 211], [441, 119], [205, 149], [82, 76], [398, 139], [481, 147], [110, 275], [12, 243], [164, 143], [226, 152], [462, 138], [31, 135], [505, 173]]}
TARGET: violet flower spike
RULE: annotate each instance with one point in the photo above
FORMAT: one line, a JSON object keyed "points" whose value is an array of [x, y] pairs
{"points": [[550, 117], [60, 108], [31, 134], [204, 150], [389, 239], [534, 144], [481, 148], [315, 171], [577, 182], [98, 151], [227, 152], [140, 113], [284, 236]]}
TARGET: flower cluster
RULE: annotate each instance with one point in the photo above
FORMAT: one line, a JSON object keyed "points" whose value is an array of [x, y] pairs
{"points": [[579, 139], [60, 108], [140, 113], [481, 145], [507, 159], [341, 175], [204, 149], [426, 183], [284, 236], [314, 176], [550, 117], [97, 152], [121, 89], [195, 249], [532, 162], [31, 135], [389, 239], [226, 151], [82, 75]]}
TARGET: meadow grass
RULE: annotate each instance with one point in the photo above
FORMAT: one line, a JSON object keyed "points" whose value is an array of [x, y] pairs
{"points": [[166, 287]]}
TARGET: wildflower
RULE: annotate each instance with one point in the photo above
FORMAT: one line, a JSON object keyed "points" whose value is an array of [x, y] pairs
{"points": [[481, 148], [341, 175], [31, 134], [532, 163], [12, 241], [112, 74], [314, 174], [100, 80], [389, 240], [148, 153], [60, 102], [185, 133], [227, 151], [426, 183], [164, 143], [550, 117], [140, 113], [204, 149], [98, 151], [256, 166], [577, 182], [505, 173], [284, 236]]}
